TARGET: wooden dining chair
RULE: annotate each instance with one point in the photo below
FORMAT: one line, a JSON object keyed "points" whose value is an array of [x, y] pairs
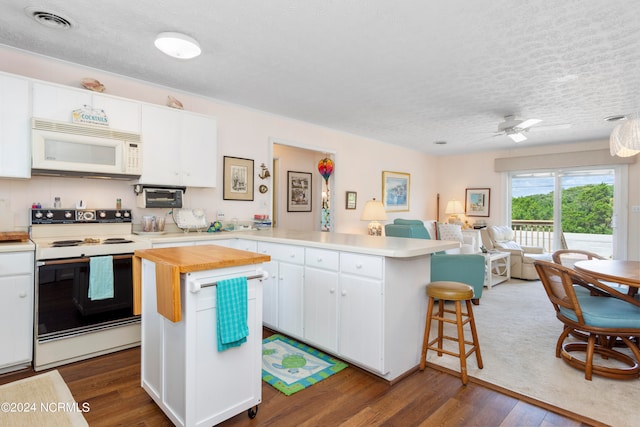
{"points": [[594, 316], [568, 258]]}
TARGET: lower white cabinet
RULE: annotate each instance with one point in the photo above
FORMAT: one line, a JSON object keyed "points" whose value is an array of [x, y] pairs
{"points": [[361, 310], [16, 309], [283, 290], [321, 290]]}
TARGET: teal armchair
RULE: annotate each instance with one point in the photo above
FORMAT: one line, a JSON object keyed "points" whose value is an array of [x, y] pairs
{"points": [[465, 268]]}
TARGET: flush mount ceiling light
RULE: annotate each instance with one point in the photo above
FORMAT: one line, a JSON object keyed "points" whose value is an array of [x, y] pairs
{"points": [[178, 45]]}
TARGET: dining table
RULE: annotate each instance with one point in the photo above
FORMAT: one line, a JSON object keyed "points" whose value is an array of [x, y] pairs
{"points": [[624, 272]]}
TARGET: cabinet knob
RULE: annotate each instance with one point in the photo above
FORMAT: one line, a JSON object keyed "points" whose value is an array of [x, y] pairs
{"points": [[344, 293], [22, 294], [358, 265], [319, 259], [292, 255], [332, 290]]}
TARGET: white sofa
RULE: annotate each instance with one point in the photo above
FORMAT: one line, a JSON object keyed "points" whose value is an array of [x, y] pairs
{"points": [[502, 238]]}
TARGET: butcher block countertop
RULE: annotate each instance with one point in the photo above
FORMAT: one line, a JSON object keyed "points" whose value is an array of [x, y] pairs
{"points": [[171, 262]]}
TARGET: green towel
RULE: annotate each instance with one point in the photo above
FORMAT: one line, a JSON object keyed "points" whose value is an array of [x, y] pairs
{"points": [[231, 313], [100, 277]]}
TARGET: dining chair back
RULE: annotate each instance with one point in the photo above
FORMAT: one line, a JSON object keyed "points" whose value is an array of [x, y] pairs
{"points": [[596, 317]]}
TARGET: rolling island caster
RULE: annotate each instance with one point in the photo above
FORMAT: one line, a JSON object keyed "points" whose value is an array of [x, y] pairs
{"points": [[252, 412]]}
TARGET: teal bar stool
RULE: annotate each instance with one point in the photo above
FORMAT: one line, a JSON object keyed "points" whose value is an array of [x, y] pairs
{"points": [[457, 292]]}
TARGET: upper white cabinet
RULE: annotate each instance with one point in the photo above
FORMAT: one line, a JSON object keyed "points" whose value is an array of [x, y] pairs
{"points": [[180, 147], [15, 136], [55, 102]]}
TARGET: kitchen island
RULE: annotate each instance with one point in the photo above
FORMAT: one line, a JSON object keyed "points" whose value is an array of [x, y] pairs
{"points": [[358, 297], [182, 368]]}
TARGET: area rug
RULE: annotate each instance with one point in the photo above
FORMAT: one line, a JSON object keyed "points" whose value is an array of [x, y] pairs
{"points": [[290, 366], [518, 330], [41, 400]]}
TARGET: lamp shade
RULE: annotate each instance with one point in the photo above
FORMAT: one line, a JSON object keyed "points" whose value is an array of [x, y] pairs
{"points": [[178, 45], [625, 139], [373, 211], [454, 207]]}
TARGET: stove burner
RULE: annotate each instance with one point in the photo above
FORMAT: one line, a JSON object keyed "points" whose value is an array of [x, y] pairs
{"points": [[63, 243], [116, 240]]}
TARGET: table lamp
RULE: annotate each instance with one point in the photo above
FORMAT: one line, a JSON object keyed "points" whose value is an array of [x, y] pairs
{"points": [[374, 211], [454, 208]]}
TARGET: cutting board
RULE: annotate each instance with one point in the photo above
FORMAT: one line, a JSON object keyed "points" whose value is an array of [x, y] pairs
{"points": [[12, 236]]}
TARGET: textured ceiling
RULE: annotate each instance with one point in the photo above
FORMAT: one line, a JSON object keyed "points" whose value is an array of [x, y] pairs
{"points": [[403, 72]]}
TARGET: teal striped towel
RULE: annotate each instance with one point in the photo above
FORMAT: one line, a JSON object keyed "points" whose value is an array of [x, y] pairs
{"points": [[100, 277], [231, 321]]}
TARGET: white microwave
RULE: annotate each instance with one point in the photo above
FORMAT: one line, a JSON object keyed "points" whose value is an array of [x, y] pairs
{"points": [[69, 149]]}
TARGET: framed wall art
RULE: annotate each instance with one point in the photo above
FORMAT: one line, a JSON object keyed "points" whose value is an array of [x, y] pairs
{"points": [[352, 199], [298, 191], [478, 201], [395, 191], [237, 179]]}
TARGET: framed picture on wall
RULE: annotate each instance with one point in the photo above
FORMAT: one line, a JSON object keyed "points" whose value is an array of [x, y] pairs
{"points": [[352, 198], [395, 191], [237, 179], [477, 202], [298, 191]]}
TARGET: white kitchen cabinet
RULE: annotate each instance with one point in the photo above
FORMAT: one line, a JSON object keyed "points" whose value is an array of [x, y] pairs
{"points": [[16, 309], [321, 298], [240, 244], [285, 286], [57, 102], [15, 135], [180, 148], [361, 309]]}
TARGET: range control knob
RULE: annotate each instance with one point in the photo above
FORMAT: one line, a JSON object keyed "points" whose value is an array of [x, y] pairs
{"points": [[68, 214], [102, 214], [118, 214], [127, 214], [49, 214], [38, 214]]}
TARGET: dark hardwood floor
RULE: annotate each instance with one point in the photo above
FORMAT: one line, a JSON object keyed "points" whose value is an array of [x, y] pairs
{"points": [[111, 386]]}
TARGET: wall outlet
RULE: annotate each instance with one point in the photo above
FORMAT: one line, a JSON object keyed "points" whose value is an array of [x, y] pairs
{"points": [[635, 209], [219, 215]]}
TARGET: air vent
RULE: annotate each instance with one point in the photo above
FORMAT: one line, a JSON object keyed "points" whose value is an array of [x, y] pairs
{"points": [[49, 19], [86, 130], [615, 118]]}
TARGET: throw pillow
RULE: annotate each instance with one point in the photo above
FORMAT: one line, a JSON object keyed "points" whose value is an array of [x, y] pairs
{"points": [[449, 232]]}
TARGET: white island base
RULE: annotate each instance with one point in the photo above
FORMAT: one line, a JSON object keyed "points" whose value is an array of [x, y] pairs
{"points": [[182, 370]]}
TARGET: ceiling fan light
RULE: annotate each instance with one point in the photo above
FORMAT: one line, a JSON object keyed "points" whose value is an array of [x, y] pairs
{"points": [[528, 123], [517, 137], [178, 45]]}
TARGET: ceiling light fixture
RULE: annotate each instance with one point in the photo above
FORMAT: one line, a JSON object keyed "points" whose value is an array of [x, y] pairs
{"points": [[178, 45], [625, 138]]}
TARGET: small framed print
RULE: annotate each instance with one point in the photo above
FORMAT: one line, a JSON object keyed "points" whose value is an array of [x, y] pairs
{"points": [[352, 199], [298, 191], [237, 179], [395, 191], [477, 201]]}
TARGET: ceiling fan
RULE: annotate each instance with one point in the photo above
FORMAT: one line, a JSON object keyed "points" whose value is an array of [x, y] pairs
{"points": [[515, 128]]}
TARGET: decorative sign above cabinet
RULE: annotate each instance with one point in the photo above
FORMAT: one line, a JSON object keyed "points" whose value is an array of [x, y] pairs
{"points": [[90, 116]]}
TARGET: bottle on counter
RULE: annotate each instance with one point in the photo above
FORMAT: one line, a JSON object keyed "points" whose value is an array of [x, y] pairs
{"points": [[118, 203], [57, 204]]}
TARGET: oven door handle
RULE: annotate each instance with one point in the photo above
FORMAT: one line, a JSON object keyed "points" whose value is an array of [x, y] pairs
{"points": [[75, 260]]}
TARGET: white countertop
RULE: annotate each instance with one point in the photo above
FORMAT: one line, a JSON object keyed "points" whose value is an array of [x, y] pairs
{"points": [[394, 247], [17, 246]]}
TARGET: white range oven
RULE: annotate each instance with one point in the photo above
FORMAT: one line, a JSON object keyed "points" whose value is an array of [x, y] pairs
{"points": [[83, 284]]}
